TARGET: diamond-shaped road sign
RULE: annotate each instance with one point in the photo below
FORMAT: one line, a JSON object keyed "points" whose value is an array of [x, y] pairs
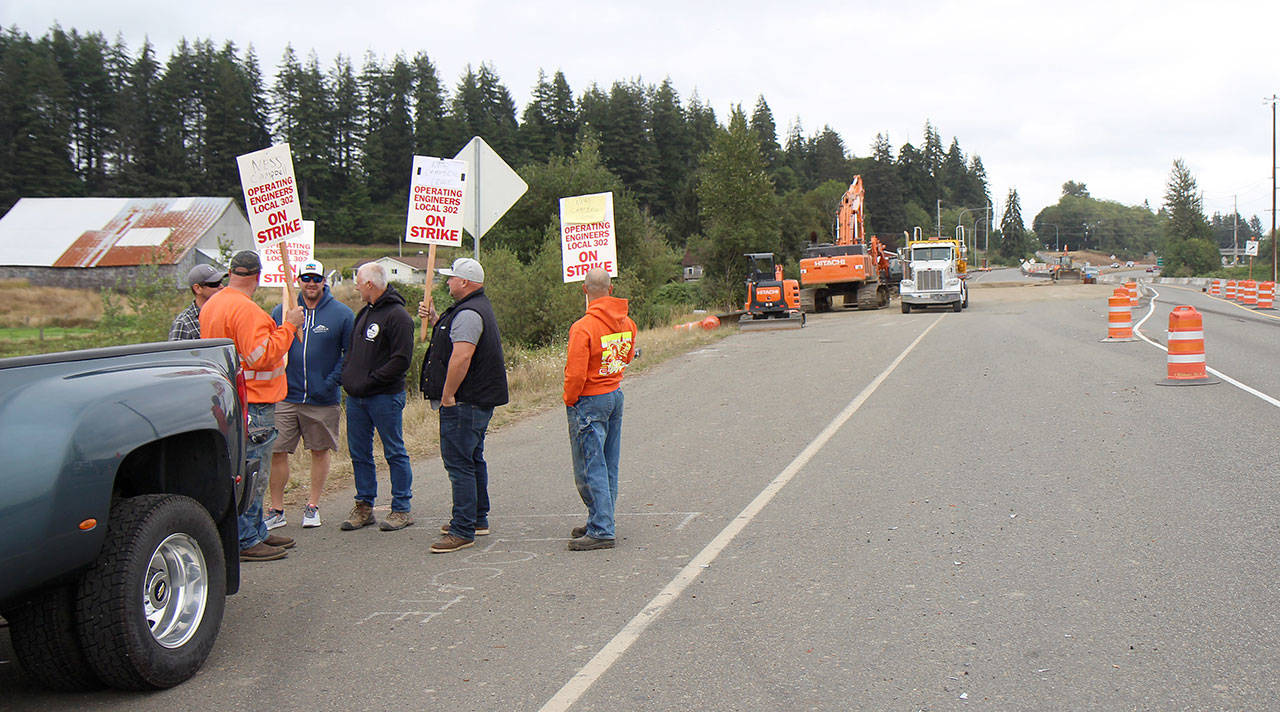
{"points": [[491, 188]]}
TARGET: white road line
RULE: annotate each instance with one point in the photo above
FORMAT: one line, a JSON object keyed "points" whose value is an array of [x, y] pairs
{"points": [[1151, 308], [573, 690]]}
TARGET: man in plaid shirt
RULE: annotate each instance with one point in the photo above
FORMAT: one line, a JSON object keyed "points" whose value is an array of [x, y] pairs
{"points": [[205, 282]]}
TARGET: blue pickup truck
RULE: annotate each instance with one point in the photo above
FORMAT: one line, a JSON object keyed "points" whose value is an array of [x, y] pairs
{"points": [[122, 471]]}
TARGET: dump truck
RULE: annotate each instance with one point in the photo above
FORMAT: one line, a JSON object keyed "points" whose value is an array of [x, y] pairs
{"points": [[773, 302], [854, 268]]}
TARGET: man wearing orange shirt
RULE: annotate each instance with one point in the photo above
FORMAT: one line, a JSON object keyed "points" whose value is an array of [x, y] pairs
{"points": [[262, 345], [601, 344]]}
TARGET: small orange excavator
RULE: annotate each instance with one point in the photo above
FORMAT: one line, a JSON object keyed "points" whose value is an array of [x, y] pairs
{"points": [[772, 301], [854, 268]]}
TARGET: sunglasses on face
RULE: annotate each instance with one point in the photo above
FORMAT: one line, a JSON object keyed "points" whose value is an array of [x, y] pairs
{"points": [[213, 285], [311, 278]]}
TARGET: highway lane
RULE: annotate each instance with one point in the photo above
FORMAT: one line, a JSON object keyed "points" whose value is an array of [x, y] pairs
{"points": [[1016, 515]]}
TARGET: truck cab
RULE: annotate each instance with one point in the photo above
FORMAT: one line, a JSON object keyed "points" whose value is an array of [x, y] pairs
{"points": [[934, 274]]}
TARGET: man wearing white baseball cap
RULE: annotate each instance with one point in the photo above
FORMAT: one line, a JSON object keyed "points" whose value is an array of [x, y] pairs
{"points": [[465, 378], [312, 409]]}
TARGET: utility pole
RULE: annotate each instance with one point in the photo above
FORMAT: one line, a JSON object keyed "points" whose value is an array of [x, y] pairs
{"points": [[1235, 229], [1274, 250]]}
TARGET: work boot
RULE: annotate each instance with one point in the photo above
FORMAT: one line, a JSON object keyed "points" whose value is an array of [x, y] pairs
{"points": [[283, 542], [450, 543], [361, 516], [396, 521], [578, 532], [586, 543], [262, 551]]}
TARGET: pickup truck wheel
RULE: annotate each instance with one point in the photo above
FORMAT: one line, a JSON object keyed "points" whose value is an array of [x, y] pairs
{"points": [[150, 607], [43, 632]]}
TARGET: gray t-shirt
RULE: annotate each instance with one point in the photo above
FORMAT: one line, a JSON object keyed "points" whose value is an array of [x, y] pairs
{"points": [[467, 326]]}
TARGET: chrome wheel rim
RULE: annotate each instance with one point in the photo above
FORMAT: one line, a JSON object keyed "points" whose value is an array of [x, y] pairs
{"points": [[175, 590]]}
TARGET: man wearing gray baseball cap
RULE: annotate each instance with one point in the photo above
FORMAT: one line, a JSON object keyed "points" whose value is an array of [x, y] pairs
{"points": [[464, 376], [204, 281]]}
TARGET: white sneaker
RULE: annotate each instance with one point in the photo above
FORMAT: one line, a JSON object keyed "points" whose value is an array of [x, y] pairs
{"points": [[311, 517], [274, 519]]}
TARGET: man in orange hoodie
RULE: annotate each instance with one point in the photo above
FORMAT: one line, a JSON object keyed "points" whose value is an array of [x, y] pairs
{"points": [[601, 344], [262, 345]]}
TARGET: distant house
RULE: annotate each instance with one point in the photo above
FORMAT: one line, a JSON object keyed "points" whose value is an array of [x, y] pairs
{"points": [[410, 269], [692, 270], [102, 242]]}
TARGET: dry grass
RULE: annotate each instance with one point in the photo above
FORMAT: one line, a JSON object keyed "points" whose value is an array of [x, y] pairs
{"points": [[24, 305], [534, 377]]}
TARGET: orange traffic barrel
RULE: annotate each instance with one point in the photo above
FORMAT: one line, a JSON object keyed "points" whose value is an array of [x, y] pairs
{"points": [[1186, 348], [1266, 295], [1132, 287], [1119, 316], [710, 322], [1215, 288], [1231, 290], [1249, 292]]}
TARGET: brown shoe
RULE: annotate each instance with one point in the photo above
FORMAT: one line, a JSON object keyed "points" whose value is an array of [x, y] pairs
{"points": [[450, 543], [262, 551], [396, 521], [586, 543], [283, 542], [480, 531], [361, 516], [577, 532]]}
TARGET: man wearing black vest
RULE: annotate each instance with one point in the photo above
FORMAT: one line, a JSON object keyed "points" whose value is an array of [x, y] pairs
{"points": [[465, 378]]}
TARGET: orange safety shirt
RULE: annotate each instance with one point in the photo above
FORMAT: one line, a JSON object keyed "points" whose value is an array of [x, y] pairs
{"points": [[601, 344], [262, 344]]}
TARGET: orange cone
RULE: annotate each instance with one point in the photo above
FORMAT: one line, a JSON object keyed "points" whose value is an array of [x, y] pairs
{"points": [[1186, 349], [1266, 295], [1119, 317]]}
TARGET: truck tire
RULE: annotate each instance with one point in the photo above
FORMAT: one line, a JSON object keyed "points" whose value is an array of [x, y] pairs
{"points": [[148, 610], [43, 632], [906, 308], [957, 305]]}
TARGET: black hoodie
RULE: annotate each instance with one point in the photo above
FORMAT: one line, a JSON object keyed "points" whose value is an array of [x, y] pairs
{"points": [[381, 348]]}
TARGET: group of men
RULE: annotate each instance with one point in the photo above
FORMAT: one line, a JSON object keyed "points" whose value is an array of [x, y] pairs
{"points": [[297, 362]]}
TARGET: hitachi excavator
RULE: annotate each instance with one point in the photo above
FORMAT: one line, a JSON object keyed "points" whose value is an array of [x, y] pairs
{"points": [[854, 268]]}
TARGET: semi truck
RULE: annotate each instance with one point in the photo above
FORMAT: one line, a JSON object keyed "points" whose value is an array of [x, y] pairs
{"points": [[934, 273]]}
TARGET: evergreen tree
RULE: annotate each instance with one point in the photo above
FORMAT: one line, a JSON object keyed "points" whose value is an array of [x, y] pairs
{"points": [[885, 205], [483, 107], [766, 133], [829, 159], [138, 126], [535, 128], [388, 145], [739, 208], [234, 125], [430, 129], [672, 146], [1014, 242], [1189, 249], [35, 125], [626, 139], [303, 111]]}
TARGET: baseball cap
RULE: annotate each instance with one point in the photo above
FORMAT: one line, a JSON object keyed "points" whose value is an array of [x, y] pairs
{"points": [[203, 274], [311, 267], [465, 268], [245, 263]]}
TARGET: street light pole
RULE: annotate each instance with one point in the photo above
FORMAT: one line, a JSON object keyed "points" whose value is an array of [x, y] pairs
{"points": [[1273, 101]]}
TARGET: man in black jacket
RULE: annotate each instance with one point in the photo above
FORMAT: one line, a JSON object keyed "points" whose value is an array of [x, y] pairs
{"points": [[465, 378], [373, 376]]}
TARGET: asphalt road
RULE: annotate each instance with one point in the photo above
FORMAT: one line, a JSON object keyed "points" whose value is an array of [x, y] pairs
{"points": [[879, 511]]}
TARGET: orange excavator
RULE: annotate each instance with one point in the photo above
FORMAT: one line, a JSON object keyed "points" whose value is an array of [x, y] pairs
{"points": [[854, 268]]}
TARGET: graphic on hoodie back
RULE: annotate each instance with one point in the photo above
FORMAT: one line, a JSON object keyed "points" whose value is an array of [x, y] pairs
{"points": [[614, 349]]}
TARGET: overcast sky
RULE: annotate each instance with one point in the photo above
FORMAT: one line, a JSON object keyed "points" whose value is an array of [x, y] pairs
{"points": [[1104, 93]]}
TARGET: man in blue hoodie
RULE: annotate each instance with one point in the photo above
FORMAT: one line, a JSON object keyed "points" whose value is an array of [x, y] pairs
{"points": [[313, 407]]}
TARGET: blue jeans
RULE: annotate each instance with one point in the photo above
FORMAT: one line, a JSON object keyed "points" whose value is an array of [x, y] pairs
{"points": [[262, 435], [383, 412], [462, 429], [595, 439]]}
